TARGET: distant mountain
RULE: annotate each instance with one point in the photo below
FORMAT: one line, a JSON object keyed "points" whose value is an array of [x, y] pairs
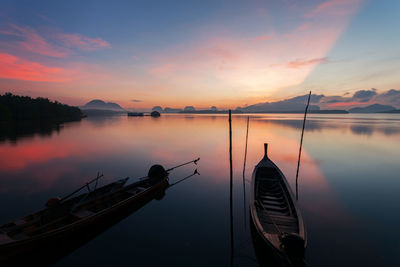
{"points": [[100, 105], [372, 109], [297, 103], [391, 111], [172, 110], [189, 108], [157, 108]]}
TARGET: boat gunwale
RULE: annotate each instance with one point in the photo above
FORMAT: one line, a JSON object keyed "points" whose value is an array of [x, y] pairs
{"points": [[82, 221], [267, 237]]}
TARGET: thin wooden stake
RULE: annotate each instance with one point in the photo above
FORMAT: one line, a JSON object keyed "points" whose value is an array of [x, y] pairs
{"points": [[244, 171], [301, 143], [231, 183]]}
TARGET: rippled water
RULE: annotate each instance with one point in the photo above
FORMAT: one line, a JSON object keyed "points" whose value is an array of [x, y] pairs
{"points": [[349, 184]]}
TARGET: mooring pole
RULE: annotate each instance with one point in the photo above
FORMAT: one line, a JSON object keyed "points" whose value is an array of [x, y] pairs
{"points": [[231, 184], [244, 172], [301, 143]]}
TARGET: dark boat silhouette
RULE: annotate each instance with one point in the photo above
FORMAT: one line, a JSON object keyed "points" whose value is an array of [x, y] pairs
{"points": [[63, 226], [276, 217]]}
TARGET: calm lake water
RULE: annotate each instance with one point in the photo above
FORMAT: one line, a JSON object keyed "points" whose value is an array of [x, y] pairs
{"points": [[348, 184]]}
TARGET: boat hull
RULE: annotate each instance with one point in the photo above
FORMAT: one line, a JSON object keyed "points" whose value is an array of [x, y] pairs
{"points": [[275, 214], [60, 240]]}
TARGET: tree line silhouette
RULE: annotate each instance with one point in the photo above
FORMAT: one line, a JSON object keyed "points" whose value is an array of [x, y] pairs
{"points": [[17, 108]]}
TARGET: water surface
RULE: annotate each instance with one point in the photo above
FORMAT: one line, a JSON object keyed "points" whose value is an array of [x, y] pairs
{"points": [[349, 184]]}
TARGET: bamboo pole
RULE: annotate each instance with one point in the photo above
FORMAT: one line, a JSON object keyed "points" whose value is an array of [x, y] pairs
{"points": [[230, 186], [301, 143]]}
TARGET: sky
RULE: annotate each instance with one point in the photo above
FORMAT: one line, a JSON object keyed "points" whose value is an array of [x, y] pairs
{"points": [[200, 53]]}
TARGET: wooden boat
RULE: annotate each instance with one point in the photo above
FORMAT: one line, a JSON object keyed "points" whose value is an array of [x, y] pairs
{"points": [[78, 215], [275, 213]]}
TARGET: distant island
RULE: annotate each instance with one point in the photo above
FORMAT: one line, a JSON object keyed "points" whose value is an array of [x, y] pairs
{"points": [[98, 107], [297, 104], [100, 104], [214, 110], [391, 111], [375, 108], [23, 108]]}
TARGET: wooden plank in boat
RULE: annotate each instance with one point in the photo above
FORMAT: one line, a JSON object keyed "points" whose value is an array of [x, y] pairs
{"points": [[83, 213]]}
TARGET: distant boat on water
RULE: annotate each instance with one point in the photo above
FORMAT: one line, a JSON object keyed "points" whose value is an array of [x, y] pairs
{"points": [[135, 114], [276, 215], [141, 114]]}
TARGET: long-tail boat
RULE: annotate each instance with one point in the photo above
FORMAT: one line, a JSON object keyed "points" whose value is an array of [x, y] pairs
{"points": [[75, 216], [276, 215]]}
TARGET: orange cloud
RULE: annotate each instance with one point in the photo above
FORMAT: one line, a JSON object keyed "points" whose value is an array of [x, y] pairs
{"points": [[298, 63], [12, 67]]}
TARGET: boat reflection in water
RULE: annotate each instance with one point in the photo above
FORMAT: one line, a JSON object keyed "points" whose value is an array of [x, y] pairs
{"points": [[66, 224]]}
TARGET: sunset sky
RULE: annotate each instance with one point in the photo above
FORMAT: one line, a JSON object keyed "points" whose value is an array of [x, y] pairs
{"points": [[201, 53]]}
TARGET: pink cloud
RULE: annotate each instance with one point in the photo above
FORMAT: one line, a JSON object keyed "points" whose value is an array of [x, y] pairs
{"points": [[82, 42], [334, 8], [304, 26], [261, 38], [298, 63], [12, 67], [33, 42], [57, 45], [163, 69]]}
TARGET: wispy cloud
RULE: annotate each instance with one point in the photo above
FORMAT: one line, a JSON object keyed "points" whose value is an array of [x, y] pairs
{"points": [[163, 69], [136, 100], [82, 42], [261, 38], [12, 67], [299, 63], [334, 8], [52, 44], [33, 42]]}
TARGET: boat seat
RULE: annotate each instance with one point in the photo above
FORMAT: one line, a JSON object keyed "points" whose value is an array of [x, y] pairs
{"points": [[271, 228], [273, 203], [272, 197], [276, 208], [278, 218], [83, 213]]}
